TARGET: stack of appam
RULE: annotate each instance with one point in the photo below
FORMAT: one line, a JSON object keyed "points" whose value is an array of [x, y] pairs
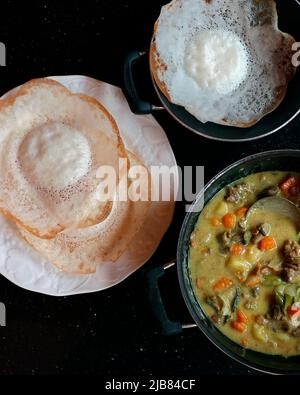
{"points": [[52, 145]]}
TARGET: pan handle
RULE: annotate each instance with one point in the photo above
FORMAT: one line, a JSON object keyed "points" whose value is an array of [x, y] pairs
{"points": [[168, 327], [137, 105]]}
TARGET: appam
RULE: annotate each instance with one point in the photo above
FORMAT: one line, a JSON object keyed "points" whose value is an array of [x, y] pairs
{"points": [[225, 62], [80, 251], [52, 143]]}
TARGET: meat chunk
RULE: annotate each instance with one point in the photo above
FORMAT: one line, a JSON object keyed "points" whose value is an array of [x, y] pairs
{"points": [[273, 191], [261, 320], [238, 193], [275, 313], [227, 239], [295, 332], [291, 276], [291, 251], [291, 265]]}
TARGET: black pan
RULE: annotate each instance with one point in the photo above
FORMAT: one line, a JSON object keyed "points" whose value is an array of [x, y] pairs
{"points": [[285, 160], [289, 17]]}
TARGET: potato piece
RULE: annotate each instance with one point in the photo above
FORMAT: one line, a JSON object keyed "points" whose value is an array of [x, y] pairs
{"points": [[222, 209], [253, 254], [284, 337], [260, 333], [239, 266]]}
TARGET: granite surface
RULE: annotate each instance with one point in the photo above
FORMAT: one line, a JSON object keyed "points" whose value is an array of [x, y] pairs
{"points": [[111, 333]]}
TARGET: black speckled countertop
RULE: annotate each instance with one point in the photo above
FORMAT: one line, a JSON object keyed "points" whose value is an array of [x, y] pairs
{"points": [[110, 333]]}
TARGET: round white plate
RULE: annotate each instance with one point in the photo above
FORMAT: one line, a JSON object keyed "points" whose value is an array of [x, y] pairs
{"points": [[143, 136]]}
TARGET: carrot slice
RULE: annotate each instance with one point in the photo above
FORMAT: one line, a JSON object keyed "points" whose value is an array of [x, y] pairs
{"points": [[239, 326], [229, 221], [222, 284], [292, 311], [237, 249], [215, 222], [241, 212], [253, 281], [267, 243], [241, 317]]}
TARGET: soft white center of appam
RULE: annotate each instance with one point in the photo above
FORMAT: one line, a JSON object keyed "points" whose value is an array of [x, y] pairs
{"points": [[217, 60], [55, 156]]}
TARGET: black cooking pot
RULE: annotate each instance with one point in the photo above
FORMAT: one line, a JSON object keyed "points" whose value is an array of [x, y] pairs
{"points": [[289, 17], [285, 160]]}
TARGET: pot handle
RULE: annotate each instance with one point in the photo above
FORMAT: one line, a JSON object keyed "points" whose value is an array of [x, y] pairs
{"points": [[137, 105], [168, 327]]}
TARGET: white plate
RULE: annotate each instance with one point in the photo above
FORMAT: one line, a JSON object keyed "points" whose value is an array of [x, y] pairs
{"points": [[143, 136]]}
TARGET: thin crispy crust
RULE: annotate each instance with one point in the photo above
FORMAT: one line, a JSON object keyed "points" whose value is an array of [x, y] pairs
{"points": [[86, 268], [158, 67], [22, 91]]}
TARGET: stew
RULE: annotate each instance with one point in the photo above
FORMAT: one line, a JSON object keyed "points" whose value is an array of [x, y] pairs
{"points": [[246, 268]]}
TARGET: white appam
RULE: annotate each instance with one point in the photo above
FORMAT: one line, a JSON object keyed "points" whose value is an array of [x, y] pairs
{"points": [[52, 143], [199, 53]]}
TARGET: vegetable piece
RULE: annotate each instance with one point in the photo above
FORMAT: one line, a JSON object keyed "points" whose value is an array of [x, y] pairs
{"points": [[239, 326], [228, 297], [286, 296], [215, 222], [236, 300], [241, 212], [272, 281], [222, 209], [284, 337], [287, 184], [291, 289], [279, 295], [239, 266], [295, 320], [247, 236], [229, 221], [215, 302], [243, 225], [222, 284], [237, 249], [253, 254], [253, 281], [241, 317], [223, 304], [292, 310], [288, 300], [267, 244], [260, 333]]}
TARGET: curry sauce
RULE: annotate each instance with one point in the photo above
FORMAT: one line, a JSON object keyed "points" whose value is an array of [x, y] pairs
{"points": [[246, 269]]}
